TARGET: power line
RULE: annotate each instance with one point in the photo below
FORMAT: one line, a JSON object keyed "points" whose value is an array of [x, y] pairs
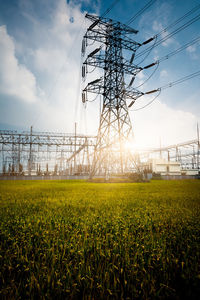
{"points": [[170, 55], [141, 11], [194, 9], [190, 76], [168, 85], [143, 59], [190, 22], [179, 49], [183, 47], [109, 8], [149, 76], [159, 91]]}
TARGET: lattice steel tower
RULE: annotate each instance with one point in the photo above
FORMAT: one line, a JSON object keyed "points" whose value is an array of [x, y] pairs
{"points": [[115, 129]]}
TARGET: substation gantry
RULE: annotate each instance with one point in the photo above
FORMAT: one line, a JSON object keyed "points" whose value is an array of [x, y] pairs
{"points": [[186, 153], [50, 153], [111, 156], [45, 153]]}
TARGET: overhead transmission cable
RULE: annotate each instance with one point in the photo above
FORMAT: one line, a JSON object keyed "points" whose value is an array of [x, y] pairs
{"points": [[185, 46], [141, 11], [159, 91], [95, 98], [170, 55], [105, 13], [190, 22], [166, 86], [194, 9], [149, 76], [151, 48], [109, 8], [190, 76]]}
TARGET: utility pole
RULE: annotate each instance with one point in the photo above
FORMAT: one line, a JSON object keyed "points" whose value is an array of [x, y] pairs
{"points": [[75, 133], [30, 153], [160, 149], [13, 156], [3, 161], [193, 158], [198, 149], [115, 128], [176, 153], [19, 155]]}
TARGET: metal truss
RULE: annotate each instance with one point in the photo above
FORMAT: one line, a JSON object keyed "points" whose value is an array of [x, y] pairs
{"points": [[45, 152], [115, 128], [186, 153], [32, 152], [98, 31]]}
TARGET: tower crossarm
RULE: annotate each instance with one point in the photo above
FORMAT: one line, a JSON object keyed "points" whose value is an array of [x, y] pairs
{"points": [[101, 37], [43, 139], [100, 61], [132, 94], [102, 29], [96, 88], [104, 23]]}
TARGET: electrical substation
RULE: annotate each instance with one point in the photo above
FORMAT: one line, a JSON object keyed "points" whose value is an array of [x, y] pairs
{"points": [[47, 153], [110, 47]]}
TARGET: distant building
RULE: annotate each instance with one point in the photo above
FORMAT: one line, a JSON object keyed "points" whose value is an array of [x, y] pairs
{"points": [[190, 172], [164, 167]]}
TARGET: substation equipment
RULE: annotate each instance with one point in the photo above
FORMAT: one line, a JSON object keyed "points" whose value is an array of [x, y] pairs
{"points": [[50, 153], [45, 153]]}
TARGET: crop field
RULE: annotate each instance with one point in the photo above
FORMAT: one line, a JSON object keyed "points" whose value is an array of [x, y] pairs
{"points": [[81, 240]]}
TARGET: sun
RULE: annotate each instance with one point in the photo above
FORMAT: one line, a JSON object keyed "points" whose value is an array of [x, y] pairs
{"points": [[128, 145]]}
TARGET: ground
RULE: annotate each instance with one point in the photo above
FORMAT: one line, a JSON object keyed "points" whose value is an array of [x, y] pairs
{"points": [[81, 240]]}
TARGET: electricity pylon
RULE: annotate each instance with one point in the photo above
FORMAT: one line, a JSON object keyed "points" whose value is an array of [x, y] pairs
{"points": [[115, 128]]}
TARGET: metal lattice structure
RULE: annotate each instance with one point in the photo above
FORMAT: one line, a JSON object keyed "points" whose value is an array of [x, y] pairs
{"points": [[35, 153], [50, 153], [115, 129], [186, 153]]}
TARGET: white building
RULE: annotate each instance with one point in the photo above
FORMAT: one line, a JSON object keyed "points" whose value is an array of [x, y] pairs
{"points": [[163, 167], [190, 172]]}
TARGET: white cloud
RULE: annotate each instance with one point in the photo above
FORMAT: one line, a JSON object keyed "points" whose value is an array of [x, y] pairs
{"points": [[52, 50], [43, 57], [191, 49], [141, 75], [163, 74], [15, 79], [158, 121], [62, 38], [158, 27], [160, 12], [140, 79]]}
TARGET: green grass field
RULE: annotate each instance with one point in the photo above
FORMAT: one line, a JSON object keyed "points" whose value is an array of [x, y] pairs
{"points": [[80, 240]]}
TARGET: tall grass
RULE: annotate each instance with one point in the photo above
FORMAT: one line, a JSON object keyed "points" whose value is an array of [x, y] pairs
{"points": [[79, 240]]}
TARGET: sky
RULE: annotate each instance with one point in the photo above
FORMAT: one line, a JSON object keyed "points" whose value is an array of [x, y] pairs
{"points": [[40, 63]]}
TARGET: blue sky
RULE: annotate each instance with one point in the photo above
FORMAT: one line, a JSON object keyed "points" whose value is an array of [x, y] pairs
{"points": [[40, 60]]}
